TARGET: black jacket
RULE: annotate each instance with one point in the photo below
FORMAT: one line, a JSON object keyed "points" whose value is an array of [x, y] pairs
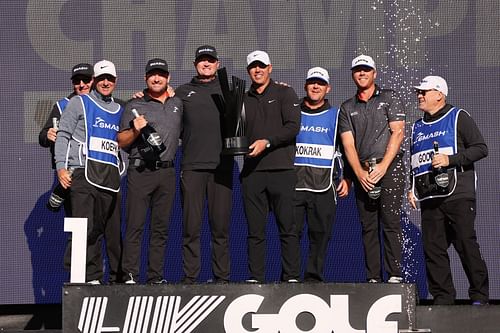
{"points": [[201, 136], [272, 115]]}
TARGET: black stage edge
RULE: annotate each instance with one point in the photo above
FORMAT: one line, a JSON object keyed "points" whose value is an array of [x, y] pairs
{"points": [[239, 308], [460, 318], [33, 317], [438, 318]]}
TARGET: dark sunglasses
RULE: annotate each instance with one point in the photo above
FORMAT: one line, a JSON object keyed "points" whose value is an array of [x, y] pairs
{"points": [[103, 77], [423, 92], [257, 64], [77, 80]]}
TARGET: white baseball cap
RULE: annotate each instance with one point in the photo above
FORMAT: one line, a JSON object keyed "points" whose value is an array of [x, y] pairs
{"points": [[104, 67], [261, 56], [433, 83], [363, 60], [318, 73]]}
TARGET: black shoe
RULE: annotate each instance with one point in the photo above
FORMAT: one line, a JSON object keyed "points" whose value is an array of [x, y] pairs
{"points": [[313, 280], [253, 281], [218, 281], [187, 280], [480, 303], [443, 301]]}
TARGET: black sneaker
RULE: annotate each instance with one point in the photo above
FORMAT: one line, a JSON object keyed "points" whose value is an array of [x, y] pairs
{"points": [[480, 303], [253, 281], [187, 280], [218, 281]]}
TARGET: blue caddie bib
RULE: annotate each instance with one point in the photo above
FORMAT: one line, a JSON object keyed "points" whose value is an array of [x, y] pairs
{"points": [[102, 126], [443, 131]]}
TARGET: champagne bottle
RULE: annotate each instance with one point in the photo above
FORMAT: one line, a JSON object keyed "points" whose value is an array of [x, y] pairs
{"points": [[374, 193], [58, 196], [440, 174], [55, 123], [152, 138]]}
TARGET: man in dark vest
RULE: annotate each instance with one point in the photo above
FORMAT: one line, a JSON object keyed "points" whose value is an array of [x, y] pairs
{"points": [[448, 209], [319, 171], [87, 143]]}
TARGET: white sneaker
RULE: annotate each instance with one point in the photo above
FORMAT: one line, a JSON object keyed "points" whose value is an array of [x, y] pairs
{"points": [[293, 281], [395, 279], [94, 282], [372, 281], [131, 279]]}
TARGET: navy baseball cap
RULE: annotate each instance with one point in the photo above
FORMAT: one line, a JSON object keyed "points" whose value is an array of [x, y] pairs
{"points": [[156, 63], [82, 70], [206, 50]]}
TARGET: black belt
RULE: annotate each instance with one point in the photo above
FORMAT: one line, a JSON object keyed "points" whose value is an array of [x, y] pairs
{"points": [[138, 163]]}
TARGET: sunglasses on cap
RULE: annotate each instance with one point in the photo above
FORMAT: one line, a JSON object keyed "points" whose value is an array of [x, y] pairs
{"points": [[76, 80]]}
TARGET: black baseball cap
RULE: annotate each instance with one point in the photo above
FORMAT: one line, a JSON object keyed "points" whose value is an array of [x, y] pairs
{"points": [[82, 70], [206, 50], [156, 63]]}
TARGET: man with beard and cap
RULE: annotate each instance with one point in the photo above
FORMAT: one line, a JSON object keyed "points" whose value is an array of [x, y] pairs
{"points": [[151, 173], [206, 175], [87, 143], [371, 127], [448, 205], [268, 177], [319, 171]]}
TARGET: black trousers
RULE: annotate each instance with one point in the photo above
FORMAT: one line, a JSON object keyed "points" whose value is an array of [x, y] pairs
{"points": [[216, 187], [102, 209], [271, 189], [155, 190], [445, 223], [383, 213], [318, 209]]}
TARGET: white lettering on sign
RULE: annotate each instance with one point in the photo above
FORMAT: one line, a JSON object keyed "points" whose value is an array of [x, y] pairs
{"points": [[328, 318]]}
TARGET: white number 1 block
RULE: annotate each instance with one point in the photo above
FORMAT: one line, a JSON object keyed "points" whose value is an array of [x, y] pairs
{"points": [[78, 228]]}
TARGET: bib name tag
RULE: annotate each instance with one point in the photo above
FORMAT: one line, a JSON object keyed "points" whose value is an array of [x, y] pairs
{"points": [[314, 151], [103, 146], [423, 158]]}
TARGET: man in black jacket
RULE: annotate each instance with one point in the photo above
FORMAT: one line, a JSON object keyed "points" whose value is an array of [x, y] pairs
{"points": [[81, 78], [268, 175], [448, 210], [206, 174]]}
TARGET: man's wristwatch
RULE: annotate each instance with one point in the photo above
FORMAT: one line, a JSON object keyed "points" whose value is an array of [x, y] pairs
{"points": [[268, 144]]}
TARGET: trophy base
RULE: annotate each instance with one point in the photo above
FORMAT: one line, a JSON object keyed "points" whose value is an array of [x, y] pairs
{"points": [[237, 145]]}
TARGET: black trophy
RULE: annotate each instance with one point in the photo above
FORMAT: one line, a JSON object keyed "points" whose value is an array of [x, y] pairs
{"points": [[232, 114]]}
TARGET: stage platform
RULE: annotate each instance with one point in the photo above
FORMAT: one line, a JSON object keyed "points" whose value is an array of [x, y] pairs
{"points": [[237, 308]]}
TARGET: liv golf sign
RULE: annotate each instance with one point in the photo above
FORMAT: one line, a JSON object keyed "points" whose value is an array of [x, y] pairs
{"points": [[239, 308]]}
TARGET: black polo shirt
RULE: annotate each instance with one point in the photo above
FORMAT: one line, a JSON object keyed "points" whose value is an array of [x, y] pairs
{"points": [[369, 121]]}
